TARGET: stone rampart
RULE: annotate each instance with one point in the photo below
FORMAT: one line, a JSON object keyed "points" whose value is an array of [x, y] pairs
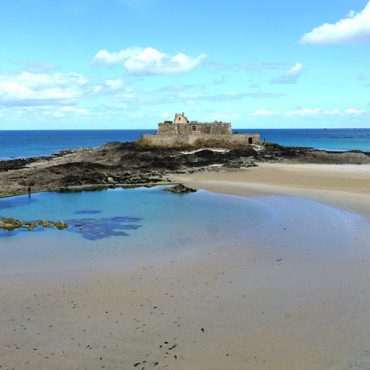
{"points": [[167, 128], [183, 139]]}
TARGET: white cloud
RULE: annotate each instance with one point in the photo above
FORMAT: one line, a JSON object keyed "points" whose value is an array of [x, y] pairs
{"points": [[354, 112], [290, 76], [166, 115], [64, 111], [304, 112], [308, 112], [76, 110], [265, 113], [354, 29], [57, 89], [114, 84], [147, 61], [104, 58], [225, 117], [46, 111], [32, 89]]}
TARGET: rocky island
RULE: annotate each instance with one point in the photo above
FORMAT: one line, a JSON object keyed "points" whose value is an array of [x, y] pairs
{"points": [[137, 164]]}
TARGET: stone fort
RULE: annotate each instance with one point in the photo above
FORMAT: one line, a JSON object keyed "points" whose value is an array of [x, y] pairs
{"points": [[182, 131]]}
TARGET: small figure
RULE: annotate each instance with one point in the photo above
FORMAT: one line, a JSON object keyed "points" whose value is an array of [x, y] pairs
{"points": [[29, 191]]}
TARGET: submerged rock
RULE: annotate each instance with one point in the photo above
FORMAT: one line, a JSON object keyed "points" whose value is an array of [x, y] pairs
{"points": [[101, 228], [10, 224], [88, 228], [180, 189]]}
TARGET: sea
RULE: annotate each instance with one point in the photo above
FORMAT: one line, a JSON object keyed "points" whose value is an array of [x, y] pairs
{"points": [[23, 144]]}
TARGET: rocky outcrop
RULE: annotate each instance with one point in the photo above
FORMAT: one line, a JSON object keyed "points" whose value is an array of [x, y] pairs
{"points": [[10, 224], [180, 189], [309, 155], [134, 164]]}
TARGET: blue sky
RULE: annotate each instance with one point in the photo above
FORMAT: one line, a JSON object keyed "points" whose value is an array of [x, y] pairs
{"points": [[121, 64]]}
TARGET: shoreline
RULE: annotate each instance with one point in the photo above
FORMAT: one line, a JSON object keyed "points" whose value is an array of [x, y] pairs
{"points": [[135, 164], [342, 186]]}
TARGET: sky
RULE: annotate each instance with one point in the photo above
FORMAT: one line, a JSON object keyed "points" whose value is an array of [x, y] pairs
{"points": [[129, 64]]}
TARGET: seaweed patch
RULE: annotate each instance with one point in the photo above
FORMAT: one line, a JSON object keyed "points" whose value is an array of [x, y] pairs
{"points": [[101, 228], [88, 228]]}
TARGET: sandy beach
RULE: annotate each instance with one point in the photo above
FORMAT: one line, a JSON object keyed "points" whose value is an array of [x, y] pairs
{"points": [[227, 307], [346, 186], [184, 185], [290, 294]]}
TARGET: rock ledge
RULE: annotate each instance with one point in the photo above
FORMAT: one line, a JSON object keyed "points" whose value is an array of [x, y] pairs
{"points": [[180, 189], [10, 223]]}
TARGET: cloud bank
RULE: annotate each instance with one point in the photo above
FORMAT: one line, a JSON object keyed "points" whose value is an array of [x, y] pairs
{"points": [[354, 29], [37, 89], [147, 61], [309, 112], [57, 95]]}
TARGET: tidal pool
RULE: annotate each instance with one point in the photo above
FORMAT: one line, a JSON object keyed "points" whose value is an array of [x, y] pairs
{"points": [[112, 226], [120, 222]]}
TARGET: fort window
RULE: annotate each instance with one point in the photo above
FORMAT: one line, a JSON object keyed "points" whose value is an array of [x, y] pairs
{"points": [[250, 140], [194, 128]]}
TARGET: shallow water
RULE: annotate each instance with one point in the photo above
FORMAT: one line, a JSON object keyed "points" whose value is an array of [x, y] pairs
{"points": [[113, 226], [119, 223]]}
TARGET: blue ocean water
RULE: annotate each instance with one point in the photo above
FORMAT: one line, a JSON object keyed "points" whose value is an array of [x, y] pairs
{"points": [[19, 144], [327, 139], [16, 144]]}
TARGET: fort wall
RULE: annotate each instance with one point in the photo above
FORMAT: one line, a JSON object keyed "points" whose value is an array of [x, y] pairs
{"points": [[186, 139], [181, 131], [194, 128], [167, 128]]}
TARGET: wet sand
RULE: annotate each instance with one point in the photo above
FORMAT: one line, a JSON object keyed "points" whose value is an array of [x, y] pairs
{"points": [[293, 293], [346, 186], [221, 308]]}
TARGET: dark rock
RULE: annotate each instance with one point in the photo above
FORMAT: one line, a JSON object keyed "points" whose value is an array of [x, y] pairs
{"points": [[180, 189], [132, 164], [10, 224]]}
